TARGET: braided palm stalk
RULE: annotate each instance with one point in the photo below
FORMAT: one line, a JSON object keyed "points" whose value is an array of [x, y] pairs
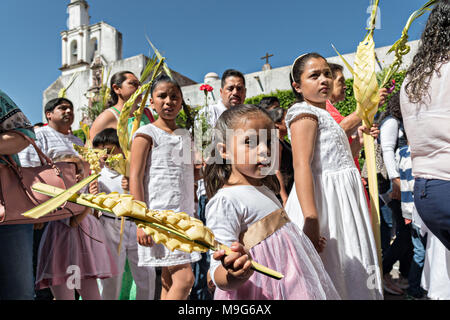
{"points": [[175, 230], [366, 90]]}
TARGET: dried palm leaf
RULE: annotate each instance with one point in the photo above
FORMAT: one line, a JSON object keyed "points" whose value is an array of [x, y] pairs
{"points": [[175, 230], [63, 92], [401, 47], [58, 199], [366, 90]]}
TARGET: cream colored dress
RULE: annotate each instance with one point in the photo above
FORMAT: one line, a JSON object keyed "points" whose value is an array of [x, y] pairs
{"points": [[350, 256]]}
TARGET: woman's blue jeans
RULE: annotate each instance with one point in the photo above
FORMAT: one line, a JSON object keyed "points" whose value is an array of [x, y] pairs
{"points": [[432, 200], [16, 262], [415, 272]]}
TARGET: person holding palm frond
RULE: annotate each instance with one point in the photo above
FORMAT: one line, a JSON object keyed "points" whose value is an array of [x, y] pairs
{"points": [[123, 85]]}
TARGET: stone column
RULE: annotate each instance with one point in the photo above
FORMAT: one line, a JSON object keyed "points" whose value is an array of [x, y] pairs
{"points": [[65, 50]]}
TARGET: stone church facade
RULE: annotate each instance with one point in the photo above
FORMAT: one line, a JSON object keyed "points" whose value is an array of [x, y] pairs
{"points": [[86, 50]]}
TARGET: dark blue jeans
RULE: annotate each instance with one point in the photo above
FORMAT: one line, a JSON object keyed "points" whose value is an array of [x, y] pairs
{"points": [[16, 262], [401, 249], [385, 226], [415, 272], [200, 288], [432, 200]]}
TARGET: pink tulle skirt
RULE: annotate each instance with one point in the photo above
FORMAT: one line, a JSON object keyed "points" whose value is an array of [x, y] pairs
{"points": [[290, 252], [64, 250]]}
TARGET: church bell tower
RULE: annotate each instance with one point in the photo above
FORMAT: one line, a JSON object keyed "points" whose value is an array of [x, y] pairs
{"points": [[78, 14], [83, 43]]}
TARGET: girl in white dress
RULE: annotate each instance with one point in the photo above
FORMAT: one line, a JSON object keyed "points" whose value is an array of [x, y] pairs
{"points": [[327, 200], [162, 175], [244, 213]]}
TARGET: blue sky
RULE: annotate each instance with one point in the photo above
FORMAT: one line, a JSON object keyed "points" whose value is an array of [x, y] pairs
{"points": [[195, 36]]}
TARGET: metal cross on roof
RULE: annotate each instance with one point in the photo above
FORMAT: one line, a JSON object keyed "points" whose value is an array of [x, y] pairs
{"points": [[267, 56]]}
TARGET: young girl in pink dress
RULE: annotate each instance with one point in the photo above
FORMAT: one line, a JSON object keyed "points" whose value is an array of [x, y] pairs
{"points": [[244, 208], [73, 253]]}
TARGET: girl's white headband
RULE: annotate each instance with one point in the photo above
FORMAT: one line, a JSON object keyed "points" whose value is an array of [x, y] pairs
{"points": [[295, 61]]}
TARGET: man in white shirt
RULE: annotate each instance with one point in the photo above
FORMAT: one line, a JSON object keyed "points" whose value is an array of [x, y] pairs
{"points": [[54, 139], [232, 94]]}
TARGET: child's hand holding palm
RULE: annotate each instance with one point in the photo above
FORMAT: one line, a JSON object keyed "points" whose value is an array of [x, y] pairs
{"points": [[238, 264]]}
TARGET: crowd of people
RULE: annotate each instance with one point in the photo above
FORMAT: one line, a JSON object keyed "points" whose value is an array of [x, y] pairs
{"points": [[308, 218]]}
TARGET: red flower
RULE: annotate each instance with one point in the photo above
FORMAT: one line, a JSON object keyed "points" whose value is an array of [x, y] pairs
{"points": [[392, 88], [206, 87]]}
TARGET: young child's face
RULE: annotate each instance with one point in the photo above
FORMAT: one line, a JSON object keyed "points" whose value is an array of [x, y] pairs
{"points": [[249, 147], [167, 100], [82, 167], [111, 149], [316, 81]]}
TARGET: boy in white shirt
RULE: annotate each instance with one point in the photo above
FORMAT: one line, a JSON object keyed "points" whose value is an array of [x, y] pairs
{"points": [[111, 181]]}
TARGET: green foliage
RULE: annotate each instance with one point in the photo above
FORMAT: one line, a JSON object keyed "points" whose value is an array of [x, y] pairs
{"points": [[348, 106], [93, 112], [182, 119], [345, 107], [80, 134], [286, 98]]}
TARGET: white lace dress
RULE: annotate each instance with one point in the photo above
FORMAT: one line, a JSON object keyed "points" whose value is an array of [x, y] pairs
{"points": [[350, 256], [168, 185]]}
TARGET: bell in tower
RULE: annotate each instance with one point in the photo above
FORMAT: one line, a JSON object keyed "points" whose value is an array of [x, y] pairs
{"points": [[83, 43]]}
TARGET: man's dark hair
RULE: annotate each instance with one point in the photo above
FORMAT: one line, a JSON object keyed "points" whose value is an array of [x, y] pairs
{"points": [[106, 136], [52, 104], [267, 102], [232, 73], [335, 67]]}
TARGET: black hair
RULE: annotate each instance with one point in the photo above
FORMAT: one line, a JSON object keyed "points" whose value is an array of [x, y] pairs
{"points": [[335, 67], [277, 114], [217, 173], [297, 69], [38, 124], [162, 78], [117, 79], [106, 136], [232, 73], [392, 108], [267, 102], [433, 52], [52, 104]]}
